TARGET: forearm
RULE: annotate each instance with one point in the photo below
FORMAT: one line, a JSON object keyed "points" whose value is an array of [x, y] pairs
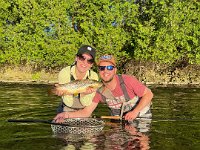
{"points": [[145, 101], [86, 112], [79, 113]]}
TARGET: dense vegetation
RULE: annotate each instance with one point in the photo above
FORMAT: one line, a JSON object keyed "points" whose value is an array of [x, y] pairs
{"points": [[47, 34]]}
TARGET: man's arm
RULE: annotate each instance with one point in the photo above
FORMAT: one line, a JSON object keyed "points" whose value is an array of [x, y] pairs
{"points": [[86, 112], [145, 101]]}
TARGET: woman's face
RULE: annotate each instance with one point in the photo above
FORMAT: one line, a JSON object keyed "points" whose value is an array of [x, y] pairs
{"points": [[84, 62]]}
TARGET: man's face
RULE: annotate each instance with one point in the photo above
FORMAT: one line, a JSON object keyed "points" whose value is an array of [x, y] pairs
{"points": [[84, 62], [106, 71]]}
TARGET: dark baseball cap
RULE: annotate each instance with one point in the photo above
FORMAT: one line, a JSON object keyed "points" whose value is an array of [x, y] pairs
{"points": [[87, 49]]}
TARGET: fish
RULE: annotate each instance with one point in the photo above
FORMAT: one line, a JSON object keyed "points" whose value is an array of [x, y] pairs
{"points": [[80, 86]]}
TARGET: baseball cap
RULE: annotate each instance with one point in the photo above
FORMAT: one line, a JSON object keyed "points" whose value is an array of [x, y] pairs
{"points": [[87, 49], [107, 58]]}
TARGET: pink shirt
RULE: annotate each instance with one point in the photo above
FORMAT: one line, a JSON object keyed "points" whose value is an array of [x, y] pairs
{"points": [[133, 86]]}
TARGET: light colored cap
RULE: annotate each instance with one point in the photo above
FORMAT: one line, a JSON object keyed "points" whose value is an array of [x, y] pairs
{"points": [[107, 58]]}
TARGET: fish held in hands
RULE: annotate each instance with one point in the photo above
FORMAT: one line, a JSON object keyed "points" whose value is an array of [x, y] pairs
{"points": [[79, 86]]}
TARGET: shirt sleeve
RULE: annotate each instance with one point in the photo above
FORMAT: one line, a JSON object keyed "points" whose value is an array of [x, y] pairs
{"points": [[64, 76], [87, 99], [68, 100], [132, 83], [94, 76]]}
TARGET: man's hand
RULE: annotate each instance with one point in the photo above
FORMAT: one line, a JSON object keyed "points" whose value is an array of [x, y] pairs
{"points": [[131, 115], [61, 116], [89, 90]]}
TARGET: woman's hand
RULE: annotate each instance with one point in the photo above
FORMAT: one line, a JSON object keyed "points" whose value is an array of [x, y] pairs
{"points": [[60, 91]]}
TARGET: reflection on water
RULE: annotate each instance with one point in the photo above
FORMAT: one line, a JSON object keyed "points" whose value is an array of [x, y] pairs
{"points": [[116, 135], [175, 122], [126, 136]]}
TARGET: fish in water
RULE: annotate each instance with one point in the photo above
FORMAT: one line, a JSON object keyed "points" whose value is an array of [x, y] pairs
{"points": [[80, 86]]}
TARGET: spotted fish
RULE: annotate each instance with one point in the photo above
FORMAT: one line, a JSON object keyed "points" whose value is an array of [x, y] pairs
{"points": [[79, 86]]}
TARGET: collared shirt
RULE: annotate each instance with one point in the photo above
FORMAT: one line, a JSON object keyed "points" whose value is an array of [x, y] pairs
{"points": [[64, 77]]}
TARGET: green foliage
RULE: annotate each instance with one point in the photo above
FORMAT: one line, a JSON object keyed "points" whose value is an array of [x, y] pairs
{"points": [[47, 34], [36, 76], [176, 34]]}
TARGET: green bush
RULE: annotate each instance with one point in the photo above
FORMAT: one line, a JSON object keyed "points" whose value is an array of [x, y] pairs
{"points": [[47, 34]]}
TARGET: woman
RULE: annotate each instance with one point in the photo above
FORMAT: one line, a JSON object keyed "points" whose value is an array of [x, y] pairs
{"points": [[80, 70]]}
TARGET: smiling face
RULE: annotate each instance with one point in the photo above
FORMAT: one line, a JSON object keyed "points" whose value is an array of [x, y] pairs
{"points": [[84, 62], [107, 73]]}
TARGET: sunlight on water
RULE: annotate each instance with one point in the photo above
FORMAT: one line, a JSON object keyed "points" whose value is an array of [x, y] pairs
{"points": [[175, 123]]}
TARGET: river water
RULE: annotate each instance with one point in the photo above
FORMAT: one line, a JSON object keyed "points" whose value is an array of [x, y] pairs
{"points": [[175, 123]]}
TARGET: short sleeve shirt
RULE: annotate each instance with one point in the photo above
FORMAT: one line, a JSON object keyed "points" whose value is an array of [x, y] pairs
{"points": [[134, 88]]}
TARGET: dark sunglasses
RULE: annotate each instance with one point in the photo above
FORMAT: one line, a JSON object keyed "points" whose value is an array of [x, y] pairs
{"points": [[102, 68], [82, 58]]}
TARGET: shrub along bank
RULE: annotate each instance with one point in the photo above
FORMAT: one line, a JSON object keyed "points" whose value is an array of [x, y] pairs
{"points": [[162, 74], [46, 34]]}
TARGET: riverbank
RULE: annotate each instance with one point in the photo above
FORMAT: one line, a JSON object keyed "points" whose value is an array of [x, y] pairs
{"points": [[27, 75], [147, 73], [179, 74]]}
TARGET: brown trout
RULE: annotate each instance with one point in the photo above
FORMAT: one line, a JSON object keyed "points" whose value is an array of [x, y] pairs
{"points": [[79, 86]]}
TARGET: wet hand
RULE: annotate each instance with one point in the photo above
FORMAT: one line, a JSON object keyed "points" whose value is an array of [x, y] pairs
{"points": [[131, 115], [61, 117]]}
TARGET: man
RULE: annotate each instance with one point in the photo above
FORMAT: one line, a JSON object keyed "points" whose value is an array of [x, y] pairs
{"points": [[117, 91], [80, 70]]}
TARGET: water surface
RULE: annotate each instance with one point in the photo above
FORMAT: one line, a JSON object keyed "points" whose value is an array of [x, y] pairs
{"points": [[175, 123]]}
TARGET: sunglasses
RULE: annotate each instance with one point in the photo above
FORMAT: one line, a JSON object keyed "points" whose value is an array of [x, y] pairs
{"points": [[82, 58], [102, 68]]}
